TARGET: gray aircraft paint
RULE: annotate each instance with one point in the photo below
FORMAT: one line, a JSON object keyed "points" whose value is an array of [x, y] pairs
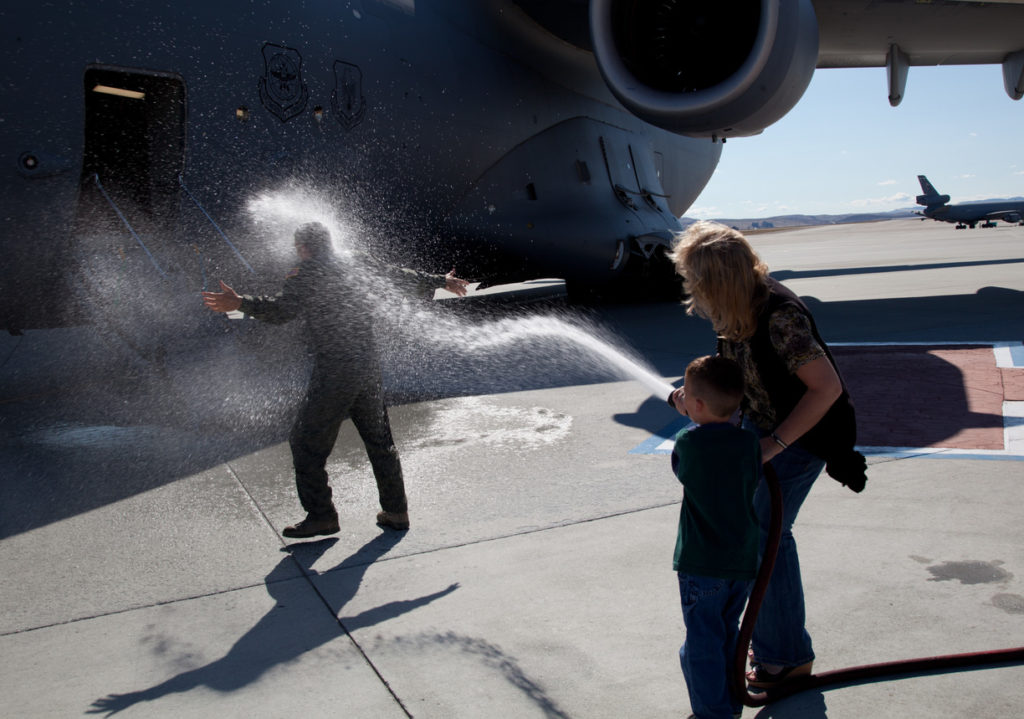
{"points": [[485, 134], [937, 207]]}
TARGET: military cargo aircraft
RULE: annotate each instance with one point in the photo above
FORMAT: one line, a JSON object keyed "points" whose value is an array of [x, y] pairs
{"points": [[513, 139], [969, 214]]}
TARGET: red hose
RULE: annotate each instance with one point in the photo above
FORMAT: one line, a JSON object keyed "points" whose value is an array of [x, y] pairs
{"points": [[850, 675]]}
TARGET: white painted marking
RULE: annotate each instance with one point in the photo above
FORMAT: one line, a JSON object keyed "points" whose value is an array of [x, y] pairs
{"points": [[1013, 427], [1007, 355]]}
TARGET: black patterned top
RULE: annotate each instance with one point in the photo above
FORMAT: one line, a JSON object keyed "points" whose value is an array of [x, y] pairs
{"points": [[794, 342]]}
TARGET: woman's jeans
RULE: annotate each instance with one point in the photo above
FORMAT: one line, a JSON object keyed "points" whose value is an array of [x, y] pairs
{"points": [[779, 635], [711, 613]]}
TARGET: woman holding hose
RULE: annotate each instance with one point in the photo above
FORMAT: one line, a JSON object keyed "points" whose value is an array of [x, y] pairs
{"points": [[795, 401]]}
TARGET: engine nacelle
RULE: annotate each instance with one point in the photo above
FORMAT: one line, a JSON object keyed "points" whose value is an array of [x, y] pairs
{"points": [[706, 69]]}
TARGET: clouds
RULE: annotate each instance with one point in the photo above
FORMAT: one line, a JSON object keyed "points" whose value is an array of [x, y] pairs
{"points": [[883, 204]]}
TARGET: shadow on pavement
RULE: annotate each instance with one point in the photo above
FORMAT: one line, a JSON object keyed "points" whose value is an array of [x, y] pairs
{"points": [[293, 626]]}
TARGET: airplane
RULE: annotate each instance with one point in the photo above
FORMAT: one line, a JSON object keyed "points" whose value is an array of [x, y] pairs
{"points": [[513, 139], [964, 215]]}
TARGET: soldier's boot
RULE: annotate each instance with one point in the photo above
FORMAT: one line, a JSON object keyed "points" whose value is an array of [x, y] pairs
{"points": [[313, 526], [393, 520]]}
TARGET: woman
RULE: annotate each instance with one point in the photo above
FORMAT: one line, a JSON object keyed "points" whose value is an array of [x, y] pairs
{"points": [[794, 400]]}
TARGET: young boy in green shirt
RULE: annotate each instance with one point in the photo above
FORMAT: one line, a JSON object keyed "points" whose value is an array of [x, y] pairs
{"points": [[716, 546]]}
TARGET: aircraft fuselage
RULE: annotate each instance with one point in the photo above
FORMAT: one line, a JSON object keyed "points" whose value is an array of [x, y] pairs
{"points": [[440, 132]]}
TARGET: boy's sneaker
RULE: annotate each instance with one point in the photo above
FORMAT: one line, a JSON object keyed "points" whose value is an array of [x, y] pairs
{"points": [[393, 520], [312, 527]]}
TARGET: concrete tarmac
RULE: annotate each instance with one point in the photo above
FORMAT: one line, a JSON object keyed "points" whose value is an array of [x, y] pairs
{"points": [[145, 574]]}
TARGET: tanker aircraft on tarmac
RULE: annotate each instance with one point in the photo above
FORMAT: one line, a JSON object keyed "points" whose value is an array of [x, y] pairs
{"points": [[969, 214], [514, 139]]}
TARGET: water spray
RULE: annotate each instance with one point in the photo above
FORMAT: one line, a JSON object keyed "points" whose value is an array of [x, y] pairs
{"points": [[554, 329], [424, 327]]}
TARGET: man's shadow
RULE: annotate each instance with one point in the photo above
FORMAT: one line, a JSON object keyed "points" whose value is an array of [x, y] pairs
{"points": [[295, 625]]}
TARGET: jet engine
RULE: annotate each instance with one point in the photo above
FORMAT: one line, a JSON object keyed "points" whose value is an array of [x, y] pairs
{"points": [[706, 69]]}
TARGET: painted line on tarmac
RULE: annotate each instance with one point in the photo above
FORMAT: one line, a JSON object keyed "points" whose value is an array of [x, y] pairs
{"points": [[1008, 355], [664, 439]]}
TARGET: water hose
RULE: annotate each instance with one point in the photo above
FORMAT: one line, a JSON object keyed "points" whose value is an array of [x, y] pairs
{"points": [[850, 675]]}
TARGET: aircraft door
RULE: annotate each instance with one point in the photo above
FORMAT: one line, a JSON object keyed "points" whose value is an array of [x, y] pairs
{"points": [[128, 221], [135, 136]]}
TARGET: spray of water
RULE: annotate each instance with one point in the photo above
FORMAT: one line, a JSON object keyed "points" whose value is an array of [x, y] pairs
{"points": [[568, 339], [427, 348], [408, 327], [277, 214]]}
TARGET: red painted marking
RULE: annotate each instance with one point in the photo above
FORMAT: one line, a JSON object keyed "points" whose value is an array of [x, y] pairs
{"points": [[935, 396], [1013, 384]]}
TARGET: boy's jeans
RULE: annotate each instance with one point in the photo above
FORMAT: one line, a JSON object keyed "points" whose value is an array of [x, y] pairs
{"points": [[779, 635], [711, 613]]}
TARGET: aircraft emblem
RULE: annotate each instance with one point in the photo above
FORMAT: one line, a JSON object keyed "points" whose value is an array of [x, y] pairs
{"points": [[282, 90], [347, 99]]}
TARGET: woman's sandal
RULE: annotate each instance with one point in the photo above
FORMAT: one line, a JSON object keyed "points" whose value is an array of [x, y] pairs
{"points": [[761, 678]]}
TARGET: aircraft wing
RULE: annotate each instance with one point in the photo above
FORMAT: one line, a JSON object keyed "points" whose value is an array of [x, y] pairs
{"points": [[1012, 216], [902, 33], [854, 33]]}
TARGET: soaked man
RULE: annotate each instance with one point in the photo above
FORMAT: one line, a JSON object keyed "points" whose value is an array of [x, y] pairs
{"points": [[346, 379]]}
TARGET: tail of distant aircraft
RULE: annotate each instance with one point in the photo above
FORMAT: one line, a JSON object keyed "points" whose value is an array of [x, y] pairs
{"points": [[931, 197]]}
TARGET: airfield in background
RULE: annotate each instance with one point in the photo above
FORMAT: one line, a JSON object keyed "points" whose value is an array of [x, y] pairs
{"points": [[146, 575]]}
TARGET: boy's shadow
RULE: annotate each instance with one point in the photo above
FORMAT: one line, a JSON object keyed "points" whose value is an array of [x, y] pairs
{"points": [[292, 627]]}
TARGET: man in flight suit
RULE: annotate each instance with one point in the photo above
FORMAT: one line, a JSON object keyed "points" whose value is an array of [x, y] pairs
{"points": [[346, 378]]}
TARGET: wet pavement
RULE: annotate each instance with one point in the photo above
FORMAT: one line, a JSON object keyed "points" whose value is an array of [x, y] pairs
{"points": [[145, 574]]}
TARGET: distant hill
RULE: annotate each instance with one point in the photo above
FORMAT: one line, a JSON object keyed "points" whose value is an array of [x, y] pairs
{"points": [[782, 221]]}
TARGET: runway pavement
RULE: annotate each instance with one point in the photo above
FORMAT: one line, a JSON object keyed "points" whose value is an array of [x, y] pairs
{"points": [[145, 574]]}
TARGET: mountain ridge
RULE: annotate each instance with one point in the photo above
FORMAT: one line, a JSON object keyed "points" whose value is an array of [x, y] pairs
{"points": [[800, 220]]}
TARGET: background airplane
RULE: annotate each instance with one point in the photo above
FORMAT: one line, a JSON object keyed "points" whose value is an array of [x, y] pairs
{"points": [[967, 214], [150, 146]]}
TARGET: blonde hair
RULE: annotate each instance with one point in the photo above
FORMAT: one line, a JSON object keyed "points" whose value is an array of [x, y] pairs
{"points": [[726, 282]]}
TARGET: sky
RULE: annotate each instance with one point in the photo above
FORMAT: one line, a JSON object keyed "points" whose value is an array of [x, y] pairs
{"points": [[843, 149]]}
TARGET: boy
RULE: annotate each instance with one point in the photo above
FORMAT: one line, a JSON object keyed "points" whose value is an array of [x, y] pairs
{"points": [[717, 542]]}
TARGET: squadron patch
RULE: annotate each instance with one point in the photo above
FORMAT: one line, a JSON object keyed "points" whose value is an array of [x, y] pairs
{"points": [[282, 90], [347, 99]]}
